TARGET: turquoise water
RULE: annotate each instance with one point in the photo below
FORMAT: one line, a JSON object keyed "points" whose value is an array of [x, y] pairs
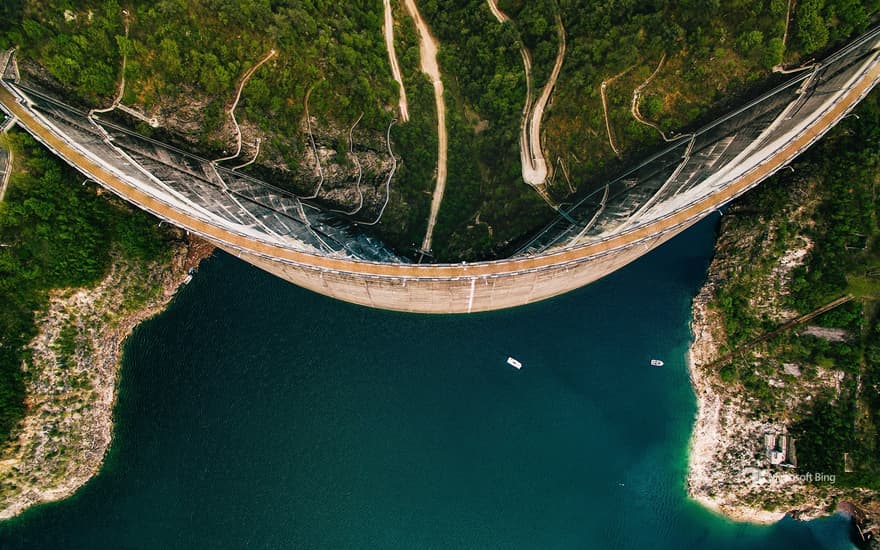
{"points": [[254, 414]]}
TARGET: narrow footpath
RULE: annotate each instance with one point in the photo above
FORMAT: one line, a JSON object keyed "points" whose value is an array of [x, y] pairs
{"points": [[231, 111], [637, 96], [603, 92]]}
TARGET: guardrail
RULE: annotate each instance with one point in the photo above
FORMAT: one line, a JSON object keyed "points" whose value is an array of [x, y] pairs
{"points": [[766, 162]]}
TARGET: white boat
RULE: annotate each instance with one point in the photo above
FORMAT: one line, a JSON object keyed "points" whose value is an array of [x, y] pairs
{"points": [[514, 363], [656, 363], [189, 275]]}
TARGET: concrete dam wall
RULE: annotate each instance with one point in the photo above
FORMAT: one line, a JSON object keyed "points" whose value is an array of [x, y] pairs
{"points": [[602, 232]]}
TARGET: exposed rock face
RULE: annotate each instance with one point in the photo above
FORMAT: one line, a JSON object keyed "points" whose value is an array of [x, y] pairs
{"points": [[727, 471], [731, 470], [866, 526], [185, 118], [71, 382], [349, 181]]}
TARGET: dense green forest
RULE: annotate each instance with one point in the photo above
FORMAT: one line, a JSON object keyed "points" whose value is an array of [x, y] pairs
{"points": [[714, 52], [56, 232], [837, 182], [194, 53]]}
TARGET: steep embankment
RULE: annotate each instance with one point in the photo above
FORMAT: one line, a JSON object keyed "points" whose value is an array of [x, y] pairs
{"points": [[785, 424], [71, 382]]}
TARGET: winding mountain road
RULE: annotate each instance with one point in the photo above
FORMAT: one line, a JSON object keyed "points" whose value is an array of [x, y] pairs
{"points": [[534, 165], [535, 169], [484, 285]]}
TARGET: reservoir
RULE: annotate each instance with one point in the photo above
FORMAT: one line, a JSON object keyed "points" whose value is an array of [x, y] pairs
{"points": [[255, 414]]}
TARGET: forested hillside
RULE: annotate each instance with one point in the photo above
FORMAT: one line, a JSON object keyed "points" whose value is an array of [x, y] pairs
{"points": [[786, 340], [56, 231], [186, 59]]}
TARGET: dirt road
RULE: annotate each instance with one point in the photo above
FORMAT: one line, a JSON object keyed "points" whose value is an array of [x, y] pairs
{"points": [[534, 166], [388, 31], [428, 52], [499, 15]]}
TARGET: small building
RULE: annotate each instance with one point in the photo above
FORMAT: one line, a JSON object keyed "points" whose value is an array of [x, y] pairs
{"points": [[776, 447]]}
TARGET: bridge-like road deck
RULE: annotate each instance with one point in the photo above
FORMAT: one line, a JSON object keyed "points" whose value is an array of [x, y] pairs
{"points": [[451, 288]]}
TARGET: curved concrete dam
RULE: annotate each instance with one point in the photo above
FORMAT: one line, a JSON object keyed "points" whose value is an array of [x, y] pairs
{"points": [[604, 231]]}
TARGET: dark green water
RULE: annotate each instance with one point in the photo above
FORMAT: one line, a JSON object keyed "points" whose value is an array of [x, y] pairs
{"points": [[254, 414]]}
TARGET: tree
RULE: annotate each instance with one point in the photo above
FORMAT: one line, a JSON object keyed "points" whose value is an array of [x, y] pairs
{"points": [[774, 53], [810, 28]]}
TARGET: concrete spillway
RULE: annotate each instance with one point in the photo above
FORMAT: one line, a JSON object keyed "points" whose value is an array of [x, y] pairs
{"points": [[599, 234]]}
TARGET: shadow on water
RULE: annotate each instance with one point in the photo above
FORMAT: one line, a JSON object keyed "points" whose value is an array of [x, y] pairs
{"points": [[256, 414]]}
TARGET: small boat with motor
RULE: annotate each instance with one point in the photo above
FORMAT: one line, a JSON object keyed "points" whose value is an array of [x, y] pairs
{"points": [[514, 363], [656, 363]]}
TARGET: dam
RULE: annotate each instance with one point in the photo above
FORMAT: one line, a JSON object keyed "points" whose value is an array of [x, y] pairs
{"points": [[613, 225]]}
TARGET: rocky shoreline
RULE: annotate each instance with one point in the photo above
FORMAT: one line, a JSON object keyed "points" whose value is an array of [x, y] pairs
{"points": [[71, 382], [728, 469], [716, 479]]}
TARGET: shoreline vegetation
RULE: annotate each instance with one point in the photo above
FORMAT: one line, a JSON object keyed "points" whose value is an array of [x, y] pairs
{"points": [[71, 381], [790, 425], [79, 269]]}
